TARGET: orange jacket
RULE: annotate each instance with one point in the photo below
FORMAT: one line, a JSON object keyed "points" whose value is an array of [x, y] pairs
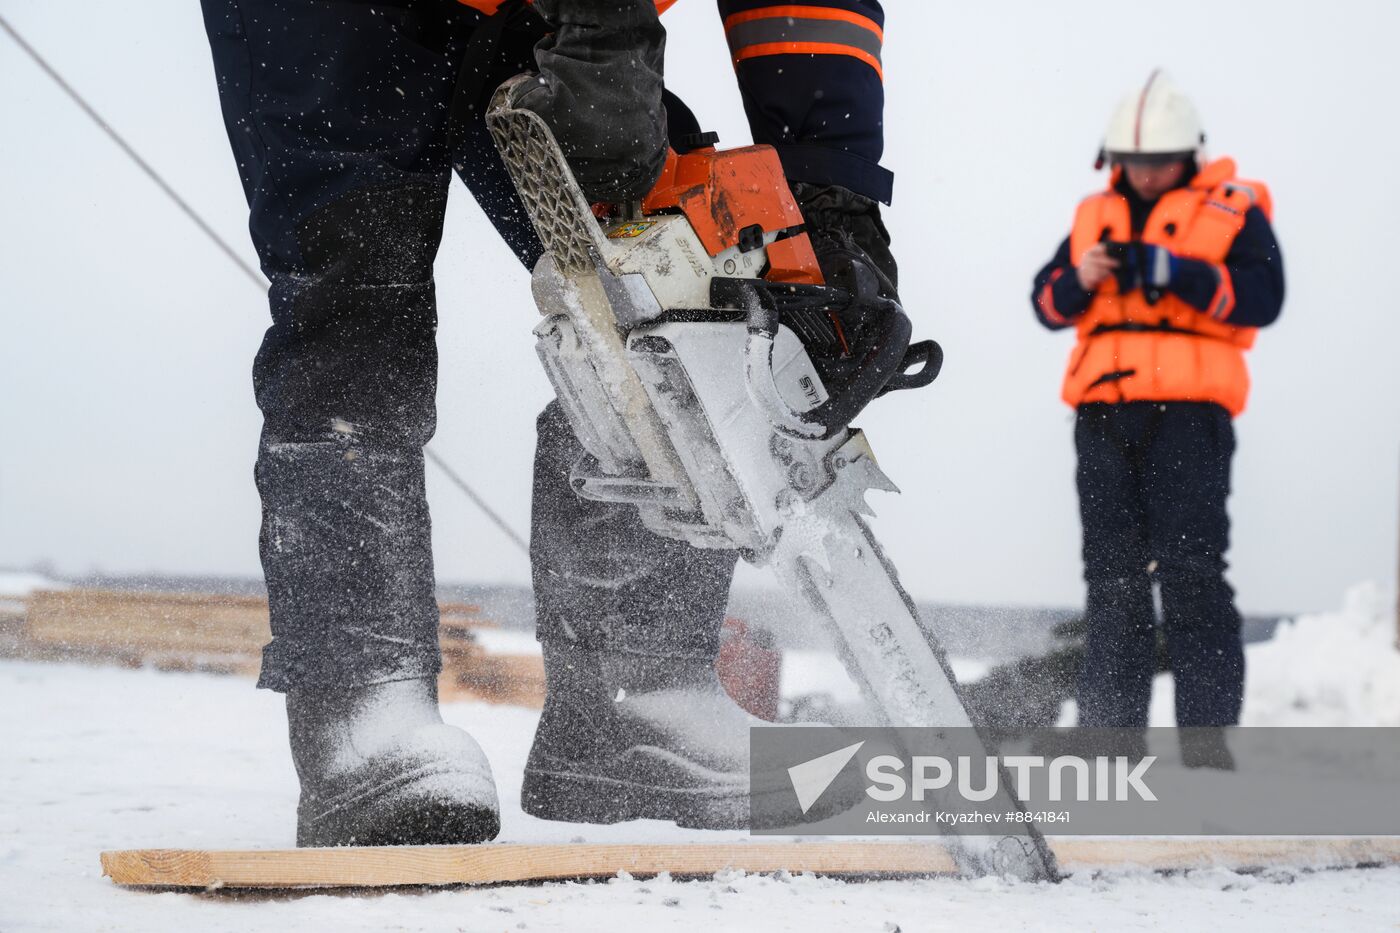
{"points": [[1129, 350]]}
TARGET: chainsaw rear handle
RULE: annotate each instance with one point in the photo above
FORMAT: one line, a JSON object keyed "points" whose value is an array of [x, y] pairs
{"points": [[927, 352], [884, 352]]}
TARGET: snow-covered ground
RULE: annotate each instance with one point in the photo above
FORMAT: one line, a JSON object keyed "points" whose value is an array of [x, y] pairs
{"points": [[95, 759], [15, 585]]}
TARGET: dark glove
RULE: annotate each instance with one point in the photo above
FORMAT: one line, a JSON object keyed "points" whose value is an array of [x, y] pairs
{"points": [[853, 249], [1157, 266], [844, 227], [1142, 265], [1126, 274], [599, 89]]}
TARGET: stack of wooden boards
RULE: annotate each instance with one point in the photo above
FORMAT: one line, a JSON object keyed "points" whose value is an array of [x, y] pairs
{"points": [[224, 634]]}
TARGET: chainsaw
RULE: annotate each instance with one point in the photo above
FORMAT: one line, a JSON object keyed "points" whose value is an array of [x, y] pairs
{"points": [[686, 337]]}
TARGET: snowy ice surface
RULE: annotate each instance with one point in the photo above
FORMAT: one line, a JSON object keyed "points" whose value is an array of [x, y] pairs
{"points": [[821, 672], [506, 641], [16, 585], [99, 758], [20, 583]]}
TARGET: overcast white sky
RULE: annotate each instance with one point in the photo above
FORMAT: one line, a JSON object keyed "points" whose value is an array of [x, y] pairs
{"points": [[127, 424]]}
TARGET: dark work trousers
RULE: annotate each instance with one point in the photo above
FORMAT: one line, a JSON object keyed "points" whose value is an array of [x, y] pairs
{"points": [[337, 111], [1153, 479]]}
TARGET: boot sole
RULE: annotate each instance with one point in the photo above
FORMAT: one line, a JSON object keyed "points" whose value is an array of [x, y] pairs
{"points": [[394, 814], [575, 798], [412, 823]]}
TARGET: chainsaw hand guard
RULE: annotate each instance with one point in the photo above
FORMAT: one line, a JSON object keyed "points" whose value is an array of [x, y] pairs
{"points": [[876, 363]]}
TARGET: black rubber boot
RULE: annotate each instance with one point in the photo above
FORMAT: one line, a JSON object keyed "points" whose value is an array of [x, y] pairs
{"points": [[1205, 747], [378, 767], [627, 737], [604, 753]]}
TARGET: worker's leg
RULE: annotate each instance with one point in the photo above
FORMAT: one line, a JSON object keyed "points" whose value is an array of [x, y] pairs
{"points": [[336, 112], [1115, 676], [1187, 483], [635, 723]]}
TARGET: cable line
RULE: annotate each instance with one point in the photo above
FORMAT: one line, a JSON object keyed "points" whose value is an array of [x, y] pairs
{"points": [[248, 271]]}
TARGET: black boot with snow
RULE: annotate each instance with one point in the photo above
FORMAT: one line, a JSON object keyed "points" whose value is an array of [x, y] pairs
{"points": [[378, 766], [626, 737]]}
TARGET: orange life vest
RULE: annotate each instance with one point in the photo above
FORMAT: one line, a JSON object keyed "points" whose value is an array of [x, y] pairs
{"points": [[1129, 350]]}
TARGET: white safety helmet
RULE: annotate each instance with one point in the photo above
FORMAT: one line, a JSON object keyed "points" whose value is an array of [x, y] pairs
{"points": [[1154, 123]]}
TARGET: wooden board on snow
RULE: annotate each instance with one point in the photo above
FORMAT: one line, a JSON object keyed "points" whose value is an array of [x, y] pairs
{"points": [[352, 867]]}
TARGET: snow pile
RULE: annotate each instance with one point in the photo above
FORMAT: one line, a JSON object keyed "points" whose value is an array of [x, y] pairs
{"points": [[16, 585], [1331, 669]]}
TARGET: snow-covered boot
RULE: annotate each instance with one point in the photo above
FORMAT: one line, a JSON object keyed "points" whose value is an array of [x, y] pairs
{"points": [[613, 745], [378, 766], [626, 737]]}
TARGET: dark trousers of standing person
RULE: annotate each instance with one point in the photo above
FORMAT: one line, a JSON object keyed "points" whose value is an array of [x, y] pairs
{"points": [[338, 116], [1153, 479]]}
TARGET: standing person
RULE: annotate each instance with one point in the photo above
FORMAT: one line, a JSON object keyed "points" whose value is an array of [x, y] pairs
{"points": [[346, 120], [1166, 277]]}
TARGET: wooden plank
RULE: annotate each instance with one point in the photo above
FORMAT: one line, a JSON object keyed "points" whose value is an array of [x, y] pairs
{"points": [[116, 620], [168, 622], [435, 865], [463, 615], [515, 679], [1240, 853], [438, 865]]}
